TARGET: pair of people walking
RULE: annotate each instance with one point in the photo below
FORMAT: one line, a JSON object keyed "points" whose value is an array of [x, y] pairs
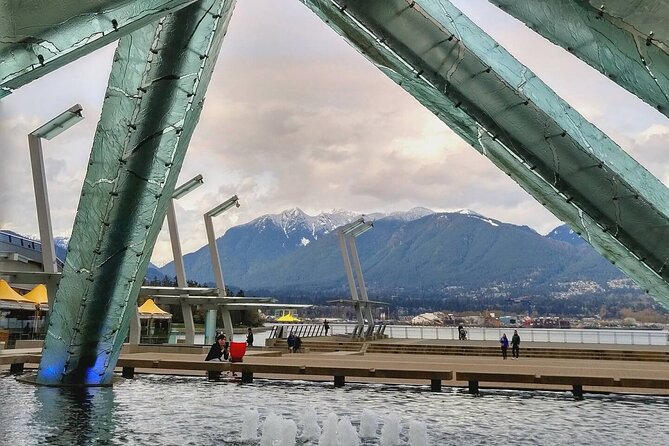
{"points": [[515, 345]]}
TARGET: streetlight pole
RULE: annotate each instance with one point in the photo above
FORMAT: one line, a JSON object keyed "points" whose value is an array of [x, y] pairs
{"points": [[186, 309], [210, 321], [361, 302], [48, 131]]}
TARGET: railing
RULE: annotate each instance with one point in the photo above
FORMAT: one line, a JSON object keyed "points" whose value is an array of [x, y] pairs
{"points": [[575, 336], [301, 330]]}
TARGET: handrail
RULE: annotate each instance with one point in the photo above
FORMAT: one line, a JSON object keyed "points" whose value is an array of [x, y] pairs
{"points": [[551, 335], [301, 330]]}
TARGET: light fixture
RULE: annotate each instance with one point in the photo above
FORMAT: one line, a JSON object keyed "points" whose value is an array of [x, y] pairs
{"points": [[187, 187], [357, 227], [60, 123], [227, 204], [361, 229]]}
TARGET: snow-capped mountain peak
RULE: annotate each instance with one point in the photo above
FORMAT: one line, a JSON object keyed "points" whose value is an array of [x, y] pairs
{"points": [[295, 220], [469, 212]]}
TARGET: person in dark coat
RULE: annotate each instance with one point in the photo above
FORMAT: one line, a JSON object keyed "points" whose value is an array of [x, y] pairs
{"points": [[291, 342], [462, 333], [515, 344], [249, 338], [219, 349], [326, 326], [504, 343]]}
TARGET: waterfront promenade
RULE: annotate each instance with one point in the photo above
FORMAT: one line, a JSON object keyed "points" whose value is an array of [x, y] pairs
{"points": [[646, 371]]}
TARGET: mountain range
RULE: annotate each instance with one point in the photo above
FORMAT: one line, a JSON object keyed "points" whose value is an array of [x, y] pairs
{"points": [[414, 253]]}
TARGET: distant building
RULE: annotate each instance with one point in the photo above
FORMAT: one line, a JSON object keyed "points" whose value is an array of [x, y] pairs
{"points": [[509, 321], [18, 253]]}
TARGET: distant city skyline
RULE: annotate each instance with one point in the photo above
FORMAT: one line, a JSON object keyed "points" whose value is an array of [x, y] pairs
{"points": [[295, 117]]}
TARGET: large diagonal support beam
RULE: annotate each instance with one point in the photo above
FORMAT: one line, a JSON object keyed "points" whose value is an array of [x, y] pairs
{"points": [[153, 102], [37, 36], [505, 112], [627, 40]]}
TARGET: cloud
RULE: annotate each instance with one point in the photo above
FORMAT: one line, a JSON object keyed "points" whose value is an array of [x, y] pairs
{"points": [[296, 117]]}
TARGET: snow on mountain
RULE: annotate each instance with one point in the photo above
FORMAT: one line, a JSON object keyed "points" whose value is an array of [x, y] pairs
{"points": [[469, 212], [61, 242], [306, 228], [295, 221], [411, 214]]}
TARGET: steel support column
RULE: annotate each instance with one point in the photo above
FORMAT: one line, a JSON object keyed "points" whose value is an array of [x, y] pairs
{"points": [[153, 102], [38, 36], [505, 112], [626, 40]]}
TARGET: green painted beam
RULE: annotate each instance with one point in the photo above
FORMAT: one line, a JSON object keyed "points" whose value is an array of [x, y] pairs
{"points": [[509, 115], [153, 102], [39, 36], [626, 40]]}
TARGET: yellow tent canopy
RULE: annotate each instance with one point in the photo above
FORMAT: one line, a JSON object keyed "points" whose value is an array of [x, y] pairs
{"points": [[10, 299], [149, 308], [38, 295], [288, 318]]}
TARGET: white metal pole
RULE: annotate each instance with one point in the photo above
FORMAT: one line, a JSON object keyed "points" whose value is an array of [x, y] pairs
{"points": [[175, 241], [361, 283], [43, 212], [351, 281], [220, 283]]}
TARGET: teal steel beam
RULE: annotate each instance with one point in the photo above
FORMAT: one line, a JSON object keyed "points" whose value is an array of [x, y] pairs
{"points": [[152, 104], [39, 36], [509, 115], [626, 40]]}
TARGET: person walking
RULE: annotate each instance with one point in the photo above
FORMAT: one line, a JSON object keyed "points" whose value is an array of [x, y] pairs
{"points": [[504, 343], [326, 326], [515, 345], [249, 338]]}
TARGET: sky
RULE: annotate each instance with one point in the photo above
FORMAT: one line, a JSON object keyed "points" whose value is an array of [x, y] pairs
{"points": [[295, 117]]}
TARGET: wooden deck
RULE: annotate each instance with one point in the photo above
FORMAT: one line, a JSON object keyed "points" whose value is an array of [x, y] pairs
{"points": [[357, 365]]}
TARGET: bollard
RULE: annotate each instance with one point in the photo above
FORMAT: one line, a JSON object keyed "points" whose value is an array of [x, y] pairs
{"points": [[213, 375], [474, 387], [247, 377], [578, 391], [16, 369], [435, 385], [128, 372], [339, 380]]}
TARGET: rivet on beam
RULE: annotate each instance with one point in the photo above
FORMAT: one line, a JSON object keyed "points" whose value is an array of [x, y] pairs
{"points": [[649, 39]]}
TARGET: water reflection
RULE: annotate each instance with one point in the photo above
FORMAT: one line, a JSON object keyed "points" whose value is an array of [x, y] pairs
{"points": [[75, 415], [170, 411]]}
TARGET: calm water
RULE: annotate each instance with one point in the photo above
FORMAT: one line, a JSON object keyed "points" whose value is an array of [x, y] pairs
{"points": [[175, 411]]}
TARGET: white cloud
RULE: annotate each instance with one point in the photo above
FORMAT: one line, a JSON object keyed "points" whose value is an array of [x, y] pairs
{"points": [[296, 117]]}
